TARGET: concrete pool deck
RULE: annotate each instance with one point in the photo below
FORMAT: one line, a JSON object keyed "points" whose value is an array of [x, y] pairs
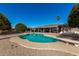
{"points": [[14, 46], [57, 46]]}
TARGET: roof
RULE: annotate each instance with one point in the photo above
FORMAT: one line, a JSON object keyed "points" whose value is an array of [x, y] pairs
{"points": [[47, 26]]}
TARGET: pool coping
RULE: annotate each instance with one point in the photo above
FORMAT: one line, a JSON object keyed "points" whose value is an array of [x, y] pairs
{"points": [[65, 39]]}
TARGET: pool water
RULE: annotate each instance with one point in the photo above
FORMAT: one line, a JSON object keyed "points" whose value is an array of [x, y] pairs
{"points": [[38, 38]]}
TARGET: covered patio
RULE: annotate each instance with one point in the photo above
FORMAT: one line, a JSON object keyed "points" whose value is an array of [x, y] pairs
{"points": [[48, 28]]}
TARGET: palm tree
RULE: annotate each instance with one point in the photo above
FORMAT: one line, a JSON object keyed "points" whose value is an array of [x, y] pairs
{"points": [[57, 18]]}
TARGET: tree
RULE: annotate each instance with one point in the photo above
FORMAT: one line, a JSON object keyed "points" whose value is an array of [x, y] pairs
{"points": [[4, 22], [20, 27], [73, 19]]}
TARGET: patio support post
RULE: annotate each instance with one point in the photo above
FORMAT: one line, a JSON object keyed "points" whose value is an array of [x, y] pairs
{"points": [[38, 29], [43, 29], [34, 29], [30, 30], [49, 29]]}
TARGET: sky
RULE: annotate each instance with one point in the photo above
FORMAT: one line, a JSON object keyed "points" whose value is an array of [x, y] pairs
{"points": [[36, 14]]}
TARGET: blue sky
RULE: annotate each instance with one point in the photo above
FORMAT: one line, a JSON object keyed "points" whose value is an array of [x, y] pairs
{"points": [[36, 14]]}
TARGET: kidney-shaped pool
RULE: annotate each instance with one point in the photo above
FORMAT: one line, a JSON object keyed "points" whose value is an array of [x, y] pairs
{"points": [[38, 38]]}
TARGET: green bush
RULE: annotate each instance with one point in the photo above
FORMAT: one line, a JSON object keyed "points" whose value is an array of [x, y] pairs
{"points": [[20, 27]]}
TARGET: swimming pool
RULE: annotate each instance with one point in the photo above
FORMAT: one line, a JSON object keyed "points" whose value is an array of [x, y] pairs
{"points": [[38, 38]]}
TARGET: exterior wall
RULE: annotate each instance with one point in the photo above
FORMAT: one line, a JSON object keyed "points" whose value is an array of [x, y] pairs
{"points": [[75, 29], [1, 31]]}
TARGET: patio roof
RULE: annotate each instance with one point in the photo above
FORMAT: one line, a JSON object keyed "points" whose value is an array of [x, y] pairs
{"points": [[47, 26]]}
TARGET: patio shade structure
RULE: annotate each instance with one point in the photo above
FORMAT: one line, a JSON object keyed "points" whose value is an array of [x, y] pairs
{"points": [[46, 28]]}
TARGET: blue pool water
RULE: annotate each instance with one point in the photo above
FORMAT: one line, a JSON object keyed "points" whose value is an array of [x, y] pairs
{"points": [[38, 38]]}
